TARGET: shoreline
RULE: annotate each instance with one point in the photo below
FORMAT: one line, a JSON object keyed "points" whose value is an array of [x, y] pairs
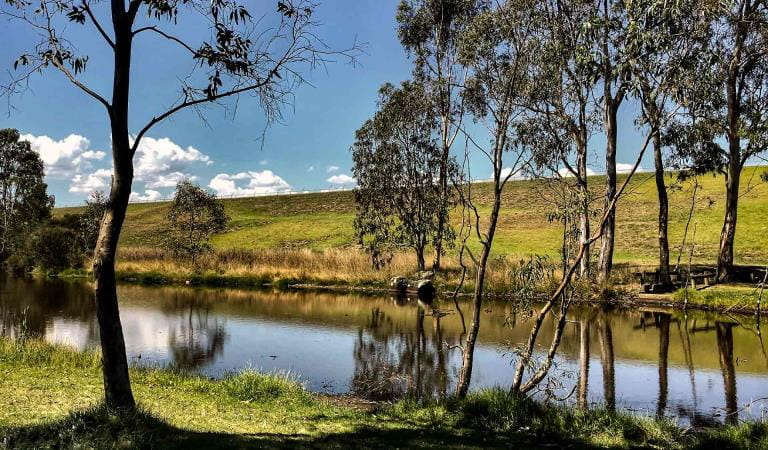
{"points": [[628, 298]]}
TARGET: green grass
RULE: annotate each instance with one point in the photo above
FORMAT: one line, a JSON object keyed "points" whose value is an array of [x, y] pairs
{"points": [[324, 220], [724, 297], [50, 398]]}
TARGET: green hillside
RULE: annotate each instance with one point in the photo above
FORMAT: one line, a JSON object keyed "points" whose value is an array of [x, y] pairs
{"points": [[324, 220]]}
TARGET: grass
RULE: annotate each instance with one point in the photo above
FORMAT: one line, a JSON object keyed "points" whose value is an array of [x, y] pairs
{"points": [[324, 220], [50, 397], [723, 297]]}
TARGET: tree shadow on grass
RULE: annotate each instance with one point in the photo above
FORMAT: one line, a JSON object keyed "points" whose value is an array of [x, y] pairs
{"points": [[100, 427]]}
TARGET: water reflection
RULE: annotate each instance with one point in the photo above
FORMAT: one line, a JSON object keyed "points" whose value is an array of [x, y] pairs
{"points": [[382, 347]]}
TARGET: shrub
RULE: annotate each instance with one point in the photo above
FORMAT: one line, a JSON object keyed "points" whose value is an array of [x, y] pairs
{"points": [[56, 248]]}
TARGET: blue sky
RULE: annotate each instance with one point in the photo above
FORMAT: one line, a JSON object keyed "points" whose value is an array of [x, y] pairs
{"points": [[308, 150]]}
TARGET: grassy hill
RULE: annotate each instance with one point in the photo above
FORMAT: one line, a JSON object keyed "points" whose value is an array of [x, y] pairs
{"points": [[324, 220]]}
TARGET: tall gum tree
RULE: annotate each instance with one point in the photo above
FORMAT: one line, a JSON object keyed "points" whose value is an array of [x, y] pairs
{"points": [[560, 103], [497, 48], [233, 55], [429, 31], [664, 39], [609, 41], [726, 100]]}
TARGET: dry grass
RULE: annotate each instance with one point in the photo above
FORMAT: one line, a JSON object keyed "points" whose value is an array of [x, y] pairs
{"points": [[346, 266]]}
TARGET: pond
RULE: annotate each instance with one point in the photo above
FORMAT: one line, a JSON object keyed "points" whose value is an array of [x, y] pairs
{"points": [[697, 368]]}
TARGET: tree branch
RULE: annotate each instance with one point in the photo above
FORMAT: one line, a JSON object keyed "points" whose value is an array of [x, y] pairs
{"points": [[167, 36], [104, 34]]}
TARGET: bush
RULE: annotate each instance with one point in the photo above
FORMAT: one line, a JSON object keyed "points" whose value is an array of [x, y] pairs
{"points": [[56, 248]]}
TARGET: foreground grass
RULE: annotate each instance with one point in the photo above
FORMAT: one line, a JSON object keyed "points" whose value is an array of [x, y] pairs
{"points": [[50, 397]]}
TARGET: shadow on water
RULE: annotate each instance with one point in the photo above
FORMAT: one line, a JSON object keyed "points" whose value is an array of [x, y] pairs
{"points": [[658, 362]]}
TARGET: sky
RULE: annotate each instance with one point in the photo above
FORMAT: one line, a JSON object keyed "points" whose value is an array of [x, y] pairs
{"points": [[307, 150]]}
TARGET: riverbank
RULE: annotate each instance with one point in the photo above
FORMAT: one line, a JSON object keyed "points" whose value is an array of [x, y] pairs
{"points": [[50, 398], [347, 271]]}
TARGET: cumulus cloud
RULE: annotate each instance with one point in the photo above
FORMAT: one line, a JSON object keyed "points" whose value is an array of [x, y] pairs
{"points": [[66, 157], [341, 179], [85, 184], [564, 172], [163, 163], [149, 196], [311, 169], [248, 183], [263, 162], [332, 169], [626, 168], [517, 175]]}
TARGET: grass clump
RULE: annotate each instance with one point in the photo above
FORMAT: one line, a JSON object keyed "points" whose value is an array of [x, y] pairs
{"points": [[252, 386]]}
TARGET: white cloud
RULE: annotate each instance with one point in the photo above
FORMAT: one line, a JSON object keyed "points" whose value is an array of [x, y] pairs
{"points": [[564, 172], [332, 169], [626, 168], [163, 163], [169, 180], [518, 175], [149, 196], [66, 157], [248, 183], [85, 184], [311, 169], [263, 162], [341, 179]]}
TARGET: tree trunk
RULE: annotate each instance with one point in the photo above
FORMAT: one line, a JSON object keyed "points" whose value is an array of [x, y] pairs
{"points": [[661, 406], [725, 349], [661, 189], [584, 216], [583, 387], [728, 233], [465, 374], [607, 359], [442, 218], [117, 384], [420, 258], [609, 225]]}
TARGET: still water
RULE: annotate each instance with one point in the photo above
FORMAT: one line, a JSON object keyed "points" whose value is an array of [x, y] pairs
{"points": [[699, 368]]}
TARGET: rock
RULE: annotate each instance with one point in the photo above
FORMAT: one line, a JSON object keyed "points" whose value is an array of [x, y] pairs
{"points": [[399, 283], [425, 289], [425, 275]]}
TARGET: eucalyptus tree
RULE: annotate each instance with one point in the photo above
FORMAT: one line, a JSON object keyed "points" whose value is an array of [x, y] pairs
{"points": [[397, 165], [429, 31], [24, 202], [497, 47], [229, 55], [194, 216], [562, 112], [726, 99], [609, 33], [664, 37]]}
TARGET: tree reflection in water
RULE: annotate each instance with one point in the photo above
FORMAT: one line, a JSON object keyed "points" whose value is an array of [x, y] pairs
{"points": [[393, 359], [195, 338]]}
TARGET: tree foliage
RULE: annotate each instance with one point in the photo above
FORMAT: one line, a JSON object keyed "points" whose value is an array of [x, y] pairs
{"points": [[195, 215], [24, 202], [397, 162], [90, 220]]}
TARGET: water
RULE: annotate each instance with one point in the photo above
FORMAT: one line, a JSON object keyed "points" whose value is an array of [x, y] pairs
{"points": [[700, 368]]}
